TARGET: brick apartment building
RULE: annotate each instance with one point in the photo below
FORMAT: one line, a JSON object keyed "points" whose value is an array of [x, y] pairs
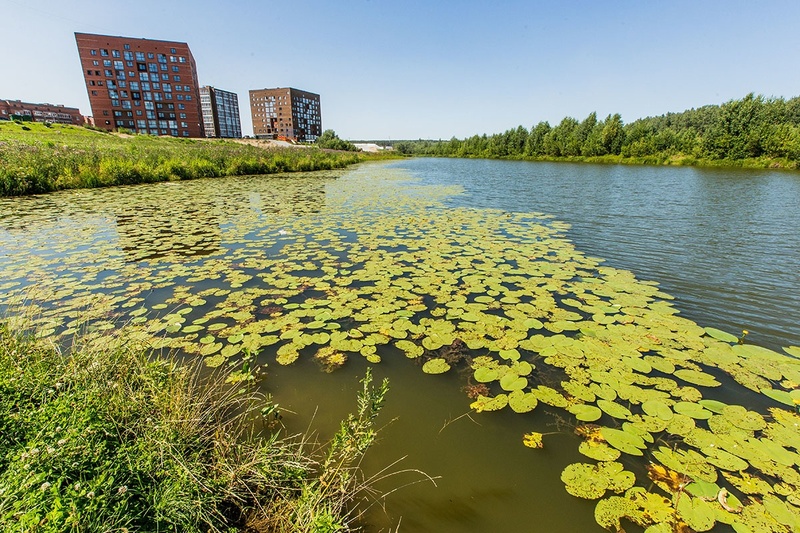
{"points": [[143, 85], [220, 113], [40, 112], [286, 113]]}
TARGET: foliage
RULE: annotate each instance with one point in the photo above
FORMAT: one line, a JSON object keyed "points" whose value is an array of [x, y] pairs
{"points": [[753, 131], [108, 438], [44, 159], [330, 141]]}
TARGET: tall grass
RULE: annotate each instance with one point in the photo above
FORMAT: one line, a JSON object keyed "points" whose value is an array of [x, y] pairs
{"points": [[111, 438], [48, 158]]}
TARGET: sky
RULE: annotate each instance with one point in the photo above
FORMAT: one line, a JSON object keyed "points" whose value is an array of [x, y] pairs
{"points": [[431, 69]]}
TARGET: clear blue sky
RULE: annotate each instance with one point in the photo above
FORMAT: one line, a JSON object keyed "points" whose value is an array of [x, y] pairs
{"points": [[432, 68]]}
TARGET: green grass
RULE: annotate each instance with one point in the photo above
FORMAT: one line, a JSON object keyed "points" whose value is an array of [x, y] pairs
{"points": [[37, 158], [111, 438]]}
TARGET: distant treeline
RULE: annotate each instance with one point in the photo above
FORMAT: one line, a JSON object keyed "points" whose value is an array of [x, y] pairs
{"points": [[753, 131]]}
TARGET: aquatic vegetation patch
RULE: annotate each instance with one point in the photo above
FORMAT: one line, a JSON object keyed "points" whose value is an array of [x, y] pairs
{"points": [[374, 265]]}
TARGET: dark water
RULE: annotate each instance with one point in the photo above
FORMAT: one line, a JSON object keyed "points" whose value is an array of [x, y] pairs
{"points": [[725, 243]]}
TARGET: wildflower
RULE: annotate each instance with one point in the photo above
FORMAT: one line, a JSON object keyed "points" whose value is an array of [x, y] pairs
{"points": [[50, 449], [77, 485], [61, 442], [122, 490], [90, 495], [44, 486]]}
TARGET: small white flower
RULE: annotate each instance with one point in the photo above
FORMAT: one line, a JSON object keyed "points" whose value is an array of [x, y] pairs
{"points": [[90, 495], [50, 449], [44, 486], [122, 490], [61, 442]]}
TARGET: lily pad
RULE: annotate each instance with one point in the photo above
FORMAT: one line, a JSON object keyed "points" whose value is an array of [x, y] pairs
{"points": [[435, 366]]}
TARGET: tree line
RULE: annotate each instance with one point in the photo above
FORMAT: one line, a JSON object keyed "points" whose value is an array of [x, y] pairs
{"points": [[751, 128]]}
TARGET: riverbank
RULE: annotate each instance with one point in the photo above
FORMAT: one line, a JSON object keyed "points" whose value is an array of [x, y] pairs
{"points": [[108, 438], [38, 158]]}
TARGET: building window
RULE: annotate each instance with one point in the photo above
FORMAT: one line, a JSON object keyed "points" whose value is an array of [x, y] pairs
{"points": [[140, 56], [115, 53], [104, 52], [150, 55], [93, 52], [175, 68], [181, 106], [172, 51], [176, 78]]}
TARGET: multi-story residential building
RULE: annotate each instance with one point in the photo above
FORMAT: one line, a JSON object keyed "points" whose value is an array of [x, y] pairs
{"points": [[142, 85], [40, 112], [286, 113], [220, 113]]}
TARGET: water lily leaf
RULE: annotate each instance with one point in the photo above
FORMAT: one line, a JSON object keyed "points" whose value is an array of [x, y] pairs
{"points": [[287, 354], [780, 396], [522, 402], [435, 366], [696, 377], [792, 350], [614, 409], [624, 441], [598, 451], [409, 348], [721, 335], [585, 413], [696, 411], [485, 375], [487, 403], [511, 355], [703, 489], [778, 509], [591, 481], [697, 514], [748, 484], [230, 350], [744, 419], [658, 409], [214, 361], [725, 460], [512, 382], [533, 440], [714, 406], [550, 396]]}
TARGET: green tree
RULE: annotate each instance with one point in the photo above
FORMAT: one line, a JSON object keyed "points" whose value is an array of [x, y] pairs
{"points": [[331, 141]]}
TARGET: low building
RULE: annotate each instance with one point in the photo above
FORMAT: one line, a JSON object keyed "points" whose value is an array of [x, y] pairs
{"points": [[11, 109], [286, 114], [220, 113]]}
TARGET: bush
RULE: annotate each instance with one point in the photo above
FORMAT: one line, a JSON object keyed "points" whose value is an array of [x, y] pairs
{"points": [[110, 438]]}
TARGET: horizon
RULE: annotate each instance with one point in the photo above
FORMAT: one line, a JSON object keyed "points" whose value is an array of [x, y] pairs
{"points": [[433, 72]]}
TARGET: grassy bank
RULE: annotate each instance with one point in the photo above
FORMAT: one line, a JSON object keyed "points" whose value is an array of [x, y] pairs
{"points": [[35, 158], [108, 438]]}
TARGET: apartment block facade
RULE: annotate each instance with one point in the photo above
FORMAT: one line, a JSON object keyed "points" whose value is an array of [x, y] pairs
{"points": [[220, 113], [143, 85], [40, 112], [286, 113]]}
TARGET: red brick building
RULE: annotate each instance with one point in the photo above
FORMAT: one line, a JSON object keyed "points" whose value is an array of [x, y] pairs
{"points": [[40, 112], [286, 113], [142, 85]]}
